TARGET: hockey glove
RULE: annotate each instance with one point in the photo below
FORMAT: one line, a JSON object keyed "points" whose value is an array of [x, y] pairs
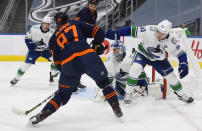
{"points": [[183, 70], [99, 48], [183, 65], [121, 76], [30, 44]]}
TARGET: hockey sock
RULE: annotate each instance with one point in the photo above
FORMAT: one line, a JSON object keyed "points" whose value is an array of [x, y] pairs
{"points": [[21, 71], [176, 87], [54, 70], [110, 94], [53, 104], [53, 67], [173, 81], [59, 99]]}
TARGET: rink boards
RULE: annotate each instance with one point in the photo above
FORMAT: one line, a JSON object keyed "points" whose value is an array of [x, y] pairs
{"points": [[14, 48]]}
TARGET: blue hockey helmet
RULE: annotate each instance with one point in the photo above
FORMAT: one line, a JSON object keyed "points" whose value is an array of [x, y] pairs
{"points": [[93, 2], [61, 18]]}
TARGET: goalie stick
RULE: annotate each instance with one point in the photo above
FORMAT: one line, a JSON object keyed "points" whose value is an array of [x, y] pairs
{"points": [[22, 112]]}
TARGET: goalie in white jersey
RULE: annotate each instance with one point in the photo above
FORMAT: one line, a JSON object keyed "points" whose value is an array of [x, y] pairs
{"points": [[155, 41], [37, 43], [118, 64]]}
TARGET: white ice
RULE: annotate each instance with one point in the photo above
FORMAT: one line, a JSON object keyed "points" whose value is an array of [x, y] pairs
{"points": [[82, 113]]}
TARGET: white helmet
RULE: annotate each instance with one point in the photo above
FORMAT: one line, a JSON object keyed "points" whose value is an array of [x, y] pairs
{"points": [[47, 19], [164, 26]]}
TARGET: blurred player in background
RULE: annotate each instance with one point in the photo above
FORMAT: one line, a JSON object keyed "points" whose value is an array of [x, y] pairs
{"points": [[37, 43], [73, 56], [89, 13], [156, 39]]}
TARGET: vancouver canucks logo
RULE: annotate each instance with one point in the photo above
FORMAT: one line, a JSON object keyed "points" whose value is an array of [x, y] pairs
{"points": [[155, 52]]}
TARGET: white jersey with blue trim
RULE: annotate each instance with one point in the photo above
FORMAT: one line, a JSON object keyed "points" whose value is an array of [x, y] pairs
{"points": [[151, 47], [36, 34], [113, 65]]}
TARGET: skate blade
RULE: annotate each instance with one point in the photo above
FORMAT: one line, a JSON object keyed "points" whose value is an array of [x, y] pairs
{"points": [[30, 125], [13, 85], [120, 119]]}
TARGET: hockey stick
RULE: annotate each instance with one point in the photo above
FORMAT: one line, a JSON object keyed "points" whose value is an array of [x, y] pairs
{"points": [[22, 112]]}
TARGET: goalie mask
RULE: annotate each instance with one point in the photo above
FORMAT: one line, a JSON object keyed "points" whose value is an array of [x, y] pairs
{"points": [[118, 50]]}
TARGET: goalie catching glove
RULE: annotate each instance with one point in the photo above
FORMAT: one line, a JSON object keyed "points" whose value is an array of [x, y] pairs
{"points": [[98, 47], [121, 76]]}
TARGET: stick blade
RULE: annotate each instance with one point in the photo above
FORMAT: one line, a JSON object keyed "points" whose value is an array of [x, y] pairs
{"points": [[18, 111]]}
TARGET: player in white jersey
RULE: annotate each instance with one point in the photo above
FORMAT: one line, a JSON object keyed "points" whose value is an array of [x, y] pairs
{"points": [[118, 64], [37, 43], [156, 39]]}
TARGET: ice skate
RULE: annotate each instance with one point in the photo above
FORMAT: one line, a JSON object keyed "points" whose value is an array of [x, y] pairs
{"points": [[184, 97], [51, 82], [81, 87], [142, 90], [117, 110], [14, 81], [39, 117], [128, 98]]}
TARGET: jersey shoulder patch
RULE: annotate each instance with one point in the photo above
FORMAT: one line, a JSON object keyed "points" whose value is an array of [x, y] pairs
{"points": [[173, 40], [52, 30]]}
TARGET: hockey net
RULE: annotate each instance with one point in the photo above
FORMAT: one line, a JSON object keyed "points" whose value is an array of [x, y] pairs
{"points": [[192, 83]]}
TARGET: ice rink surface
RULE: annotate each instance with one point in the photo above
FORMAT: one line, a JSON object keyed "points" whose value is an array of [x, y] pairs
{"points": [[82, 113]]}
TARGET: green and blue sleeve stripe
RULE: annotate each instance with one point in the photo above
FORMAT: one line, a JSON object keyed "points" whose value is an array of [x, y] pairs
{"points": [[134, 31]]}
